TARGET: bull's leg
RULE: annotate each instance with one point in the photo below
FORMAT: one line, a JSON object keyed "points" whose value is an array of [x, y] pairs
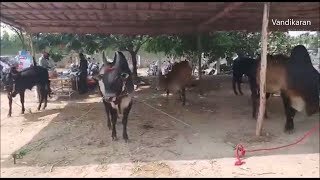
{"points": [[183, 95], [107, 108], [125, 121], [45, 95], [41, 97], [10, 105], [180, 95], [234, 86], [114, 116], [167, 93], [290, 113], [254, 96], [255, 104], [22, 102], [239, 87], [267, 97]]}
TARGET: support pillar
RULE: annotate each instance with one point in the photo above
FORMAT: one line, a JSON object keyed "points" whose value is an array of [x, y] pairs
{"points": [[199, 61], [264, 44], [36, 90]]}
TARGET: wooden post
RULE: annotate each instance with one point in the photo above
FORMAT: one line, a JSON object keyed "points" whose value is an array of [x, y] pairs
{"points": [[36, 91], [199, 55], [199, 61], [31, 46], [264, 44], [158, 64]]}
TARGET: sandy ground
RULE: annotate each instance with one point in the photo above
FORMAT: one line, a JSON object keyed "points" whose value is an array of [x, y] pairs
{"points": [[71, 139]]}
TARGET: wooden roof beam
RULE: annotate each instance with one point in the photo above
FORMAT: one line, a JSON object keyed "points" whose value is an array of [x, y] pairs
{"points": [[102, 11], [11, 23], [226, 10], [104, 22], [151, 30]]}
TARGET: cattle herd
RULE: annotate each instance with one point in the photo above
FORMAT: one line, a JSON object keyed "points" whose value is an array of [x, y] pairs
{"points": [[294, 77]]}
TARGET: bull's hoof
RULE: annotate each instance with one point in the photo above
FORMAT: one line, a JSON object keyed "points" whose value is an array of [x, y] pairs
{"points": [[289, 131], [254, 116], [289, 128], [114, 139], [9, 115], [109, 126], [22, 112], [125, 137], [126, 140]]}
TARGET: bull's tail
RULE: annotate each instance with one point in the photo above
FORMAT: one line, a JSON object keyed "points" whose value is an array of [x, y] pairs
{"points": [[49, 89]]}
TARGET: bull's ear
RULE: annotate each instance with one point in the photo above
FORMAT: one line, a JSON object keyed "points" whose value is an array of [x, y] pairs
{"points": [[124, 75]]}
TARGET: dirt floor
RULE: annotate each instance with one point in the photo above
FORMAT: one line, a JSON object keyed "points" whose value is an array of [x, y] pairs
{"points": [[71, 139]]}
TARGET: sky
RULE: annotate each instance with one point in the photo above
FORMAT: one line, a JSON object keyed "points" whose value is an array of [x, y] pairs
{"points": [[291, 33]]}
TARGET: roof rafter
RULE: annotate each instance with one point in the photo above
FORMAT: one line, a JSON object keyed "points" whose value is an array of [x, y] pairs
{"points": [[155, 18], [226, 10]]}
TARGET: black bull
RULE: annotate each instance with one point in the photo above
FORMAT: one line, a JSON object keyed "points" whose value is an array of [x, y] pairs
{"points": [[116, 86], [297, 81], [17, 82]]}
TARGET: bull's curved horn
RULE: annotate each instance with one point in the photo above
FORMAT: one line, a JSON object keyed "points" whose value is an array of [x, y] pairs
{"points": [[104, 58], [116, 55]]}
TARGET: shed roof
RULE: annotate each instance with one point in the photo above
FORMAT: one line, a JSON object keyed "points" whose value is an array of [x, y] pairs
{"points": [[155, 18]]}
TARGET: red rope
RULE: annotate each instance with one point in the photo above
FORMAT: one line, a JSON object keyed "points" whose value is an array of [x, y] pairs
{"points": [[240, 151]]}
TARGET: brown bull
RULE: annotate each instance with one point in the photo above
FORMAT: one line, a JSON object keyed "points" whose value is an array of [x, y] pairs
{"points": [[297, 81], [177, 79]]}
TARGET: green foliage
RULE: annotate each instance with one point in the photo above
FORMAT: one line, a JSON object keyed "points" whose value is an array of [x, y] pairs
{"points": [[214, 46], [279, 43], [10, 45], [131, 44]]}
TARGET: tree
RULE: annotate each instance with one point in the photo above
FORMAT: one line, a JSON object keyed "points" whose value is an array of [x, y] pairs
{"points": [[279, 43], [315, 40], [214, 46], [131, 44], [21, 34]]}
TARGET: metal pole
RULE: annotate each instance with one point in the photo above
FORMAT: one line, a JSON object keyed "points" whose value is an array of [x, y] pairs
{"points": [[264, 44]]}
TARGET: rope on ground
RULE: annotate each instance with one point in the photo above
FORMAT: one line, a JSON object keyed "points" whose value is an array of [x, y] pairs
{"points": [[240, 150], [84, 113], [16, 103], [166, 114]]}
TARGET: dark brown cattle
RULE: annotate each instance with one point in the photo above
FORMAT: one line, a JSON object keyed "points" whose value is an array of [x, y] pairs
{"points": [[297, 81], [116, 88], [177, 79]]}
